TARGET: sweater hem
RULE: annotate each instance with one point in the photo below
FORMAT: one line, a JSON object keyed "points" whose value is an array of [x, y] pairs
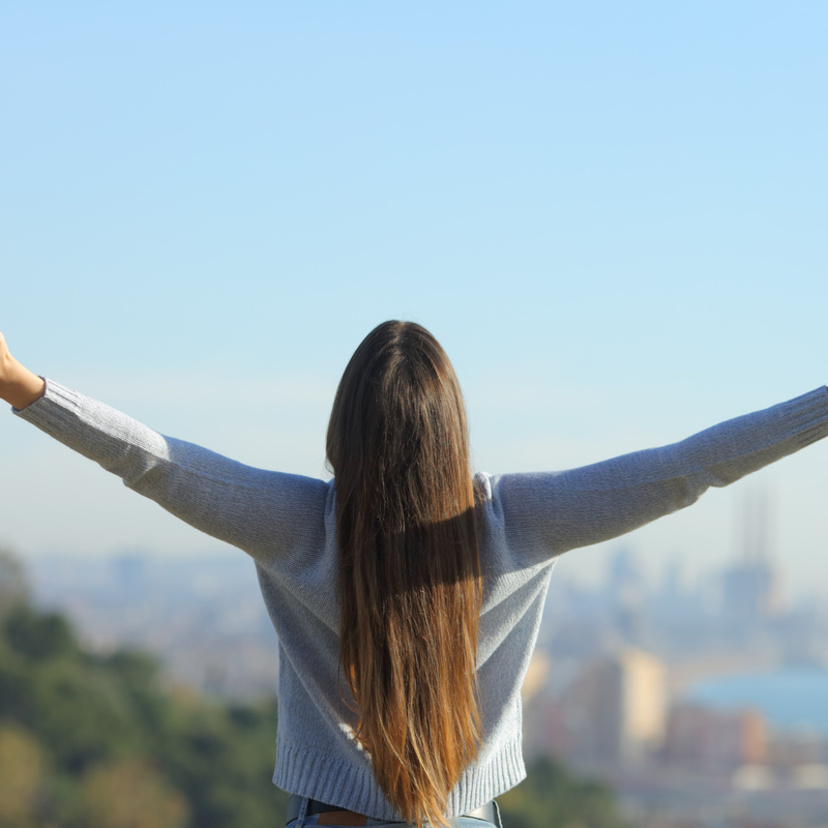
{"points": [[314, 773]]}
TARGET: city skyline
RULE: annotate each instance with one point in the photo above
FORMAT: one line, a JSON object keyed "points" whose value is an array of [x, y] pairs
{"points": [[667, 695]]}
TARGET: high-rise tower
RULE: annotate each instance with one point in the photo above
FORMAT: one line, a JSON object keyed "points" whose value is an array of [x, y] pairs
{"points": [[751, 587]]}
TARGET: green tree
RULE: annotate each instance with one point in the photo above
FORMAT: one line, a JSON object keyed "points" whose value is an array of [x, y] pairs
{"points": [[38, 637], [90, 717], [21, 781], [14, 586], [131, 794], [552, 795]]}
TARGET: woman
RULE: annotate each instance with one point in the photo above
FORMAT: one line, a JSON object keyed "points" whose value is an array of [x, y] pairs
{"points": [[401, 698]]}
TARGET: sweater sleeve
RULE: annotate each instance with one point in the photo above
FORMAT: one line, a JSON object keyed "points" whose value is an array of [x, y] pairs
{"points": [[543, 515], [263, 512]]}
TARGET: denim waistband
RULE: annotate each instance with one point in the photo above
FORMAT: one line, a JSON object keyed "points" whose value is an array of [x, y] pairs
{"points": [[303, 812]]}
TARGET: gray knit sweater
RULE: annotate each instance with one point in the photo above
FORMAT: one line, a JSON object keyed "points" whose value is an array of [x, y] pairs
{"points": [[286, 523]]}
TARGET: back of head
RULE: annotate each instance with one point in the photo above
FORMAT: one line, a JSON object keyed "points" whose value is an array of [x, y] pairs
{"points": [[409, 580]]}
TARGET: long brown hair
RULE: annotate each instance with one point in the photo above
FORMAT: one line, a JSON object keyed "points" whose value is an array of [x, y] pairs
{"points": [[409, 577]]}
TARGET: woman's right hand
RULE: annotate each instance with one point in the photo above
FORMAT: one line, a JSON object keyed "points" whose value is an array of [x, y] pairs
{"points": [[18, 385]]}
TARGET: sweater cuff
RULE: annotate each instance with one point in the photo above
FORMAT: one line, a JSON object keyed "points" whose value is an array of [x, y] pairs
{"points": [[808, 416], [56, 402]]}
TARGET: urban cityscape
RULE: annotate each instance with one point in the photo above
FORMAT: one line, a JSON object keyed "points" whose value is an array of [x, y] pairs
{"points": [[623, 684]]}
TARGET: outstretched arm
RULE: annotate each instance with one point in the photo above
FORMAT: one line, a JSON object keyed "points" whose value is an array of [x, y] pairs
{"points": [[18, 385], [546, 514], [266, 513]]}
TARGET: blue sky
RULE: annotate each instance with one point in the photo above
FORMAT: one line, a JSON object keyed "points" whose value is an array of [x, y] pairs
{"points": [[612, 215]]}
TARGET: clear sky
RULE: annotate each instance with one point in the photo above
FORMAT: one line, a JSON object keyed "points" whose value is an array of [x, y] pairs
{"points": [[611, 214]]}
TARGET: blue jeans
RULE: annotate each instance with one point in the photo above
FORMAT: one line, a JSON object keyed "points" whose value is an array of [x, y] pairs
{"points": [[457, 822]]}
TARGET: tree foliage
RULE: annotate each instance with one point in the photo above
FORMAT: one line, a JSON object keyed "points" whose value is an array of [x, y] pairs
{"points": [[99, 742], [21, 759], [553, 796], [14, 587], [131, 794]]}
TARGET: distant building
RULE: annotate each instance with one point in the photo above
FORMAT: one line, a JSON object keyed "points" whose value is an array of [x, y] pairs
{"points": [[621, 704], [625, 594], [752, 587], [797, 748], [704, 739], [751, 590]]}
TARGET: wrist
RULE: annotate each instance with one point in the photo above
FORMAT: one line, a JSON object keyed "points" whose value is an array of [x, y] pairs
{"points": [[18, 385]]}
